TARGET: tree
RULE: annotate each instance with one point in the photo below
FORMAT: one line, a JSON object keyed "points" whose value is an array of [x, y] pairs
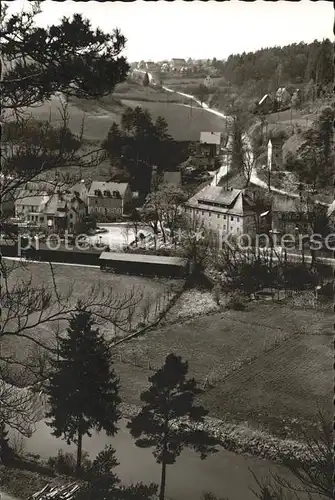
{"points": [[83, 389], [202, 93], [167, 402], [324, 71], [146, 80]]}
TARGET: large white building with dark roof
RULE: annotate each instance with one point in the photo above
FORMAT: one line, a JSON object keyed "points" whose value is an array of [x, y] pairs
{"points": [[109, 198], [222, 210]]}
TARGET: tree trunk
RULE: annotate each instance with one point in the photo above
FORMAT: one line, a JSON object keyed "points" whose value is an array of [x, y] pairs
{"points": [[79, 450], [163, 482]]}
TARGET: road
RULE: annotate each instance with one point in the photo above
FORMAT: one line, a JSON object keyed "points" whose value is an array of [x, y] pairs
{"points": [[224, 474], [222, 171]]}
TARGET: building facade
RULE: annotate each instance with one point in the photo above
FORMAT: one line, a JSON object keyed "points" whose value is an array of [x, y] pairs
{"points": [[109, 198], [223, 211]]}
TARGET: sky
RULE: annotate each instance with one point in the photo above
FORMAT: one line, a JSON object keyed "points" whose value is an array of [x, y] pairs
{"points": [[202, 30]]}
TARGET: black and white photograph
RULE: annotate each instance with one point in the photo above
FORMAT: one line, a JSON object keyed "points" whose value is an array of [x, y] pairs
{"points": [[167, 250]]}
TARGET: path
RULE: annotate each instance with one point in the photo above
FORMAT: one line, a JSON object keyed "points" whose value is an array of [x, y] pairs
{"points": [[223, 170]]}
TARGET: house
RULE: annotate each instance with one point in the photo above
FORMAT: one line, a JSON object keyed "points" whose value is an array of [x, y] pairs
{"points": [[208, 82], [29, 205], [109, 198], [211, 143], [177, 64], [151, 66], [62, 211], [224, 211], [80, 190], [173, 178], [265, 105], [283, 98], [165, 67]]}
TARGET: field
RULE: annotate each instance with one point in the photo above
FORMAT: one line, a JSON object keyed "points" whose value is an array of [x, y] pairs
{"points": [[99, 115], [268, 365], [78, 281]]}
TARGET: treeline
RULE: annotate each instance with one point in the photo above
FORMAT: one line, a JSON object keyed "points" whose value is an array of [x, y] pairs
{"points": [[278, 66], [137, 144]]}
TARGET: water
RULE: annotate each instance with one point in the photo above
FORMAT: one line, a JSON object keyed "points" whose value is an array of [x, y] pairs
{"points": [[225, 474]]}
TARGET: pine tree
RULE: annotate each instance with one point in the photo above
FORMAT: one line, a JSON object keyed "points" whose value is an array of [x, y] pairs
{"points": [[167, 402], [83, 390]]}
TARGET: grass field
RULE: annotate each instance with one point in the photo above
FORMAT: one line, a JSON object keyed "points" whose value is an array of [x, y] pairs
{"points": [[100, 114], [79, 280], [268, 365]]}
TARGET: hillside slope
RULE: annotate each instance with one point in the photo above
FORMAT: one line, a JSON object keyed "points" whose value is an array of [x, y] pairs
{"points": [[185, 123]]}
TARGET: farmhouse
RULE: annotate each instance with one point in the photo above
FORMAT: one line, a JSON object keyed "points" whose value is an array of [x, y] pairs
{"points": [[211, 143], [177, 64], [140, 264], [222, 210], [29, 205], [109, 198], [283, 98], [265, 105]]}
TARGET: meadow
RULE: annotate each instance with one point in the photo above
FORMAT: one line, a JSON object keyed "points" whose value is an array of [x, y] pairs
{"points": [[270, 366], [74, 283]]}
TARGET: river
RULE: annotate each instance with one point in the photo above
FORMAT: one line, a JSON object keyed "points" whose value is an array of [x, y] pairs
{"points": [[225, 474]]}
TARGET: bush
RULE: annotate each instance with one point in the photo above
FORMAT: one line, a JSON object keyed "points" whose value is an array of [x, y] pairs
{"points": [[65, 463], [237, 303]]}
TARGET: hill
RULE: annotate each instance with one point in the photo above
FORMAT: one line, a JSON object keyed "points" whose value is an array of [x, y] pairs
{"points": [[185, 124]]}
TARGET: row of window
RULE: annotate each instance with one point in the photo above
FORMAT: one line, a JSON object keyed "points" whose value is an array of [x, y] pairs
{"points": [[218, 216]]}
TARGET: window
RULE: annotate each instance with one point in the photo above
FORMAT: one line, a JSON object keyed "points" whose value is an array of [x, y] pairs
{"points": [[209, 214], [238, 219], [202, 213], [96, 202], [107, 193], [41, 219], [218, 216], [225, 217], [232, 218], [97, 192], [71, 216]]}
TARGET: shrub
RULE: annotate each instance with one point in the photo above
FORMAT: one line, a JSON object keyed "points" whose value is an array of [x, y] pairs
{"points": [[237, 303], [65, 463]]}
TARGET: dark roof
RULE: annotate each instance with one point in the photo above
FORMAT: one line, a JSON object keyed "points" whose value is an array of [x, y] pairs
{"points": [[108, 186], [143, 258]]}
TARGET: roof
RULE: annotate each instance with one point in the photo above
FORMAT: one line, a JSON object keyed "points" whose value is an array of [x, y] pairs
{"points": [[108, 186], [210, 138], [179, 61], [264, 98], [216, 196], [54, 204], [27, 198], [143, 258], [172, 178]]}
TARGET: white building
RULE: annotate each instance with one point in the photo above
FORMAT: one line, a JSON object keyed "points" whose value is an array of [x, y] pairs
{"points": [[222, 210]]}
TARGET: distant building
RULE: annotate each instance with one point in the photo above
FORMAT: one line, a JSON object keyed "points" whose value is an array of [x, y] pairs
{"points": [[222, 210], [208, 82], [265, 105], [283, 98], [109, 198], [211, 142], [177, 64], [173, 178], [277, 153], [151, 66]]}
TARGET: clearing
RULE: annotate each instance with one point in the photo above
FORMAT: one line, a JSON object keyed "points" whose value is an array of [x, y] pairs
{"points": [[268, 365]]}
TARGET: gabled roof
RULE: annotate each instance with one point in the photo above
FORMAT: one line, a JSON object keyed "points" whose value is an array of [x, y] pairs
{"points": [[179, 61], [210, 138], [266, 96], [216, 198], [108, 186], [26, 197]]}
